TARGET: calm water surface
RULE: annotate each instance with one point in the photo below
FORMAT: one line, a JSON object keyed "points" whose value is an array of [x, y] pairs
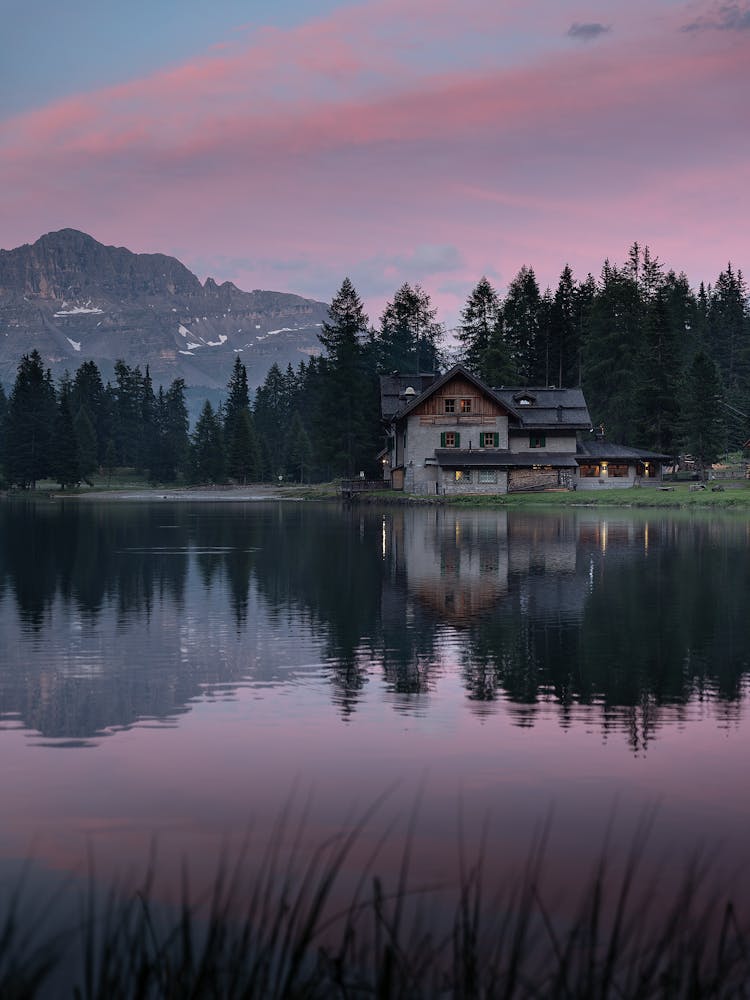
{"points": [[176, 673]]}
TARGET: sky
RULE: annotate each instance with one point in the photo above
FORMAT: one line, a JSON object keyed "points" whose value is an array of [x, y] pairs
{"points": [[286, 144]]}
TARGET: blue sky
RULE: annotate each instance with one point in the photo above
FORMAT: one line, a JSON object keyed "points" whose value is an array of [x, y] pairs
{"points": [[51, 48]]}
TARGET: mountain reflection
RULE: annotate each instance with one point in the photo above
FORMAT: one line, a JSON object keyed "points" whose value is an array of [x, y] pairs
{"points": [[114, 614]]}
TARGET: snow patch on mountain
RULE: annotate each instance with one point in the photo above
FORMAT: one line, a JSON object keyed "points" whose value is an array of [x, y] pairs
{"points": [[68, 309]]}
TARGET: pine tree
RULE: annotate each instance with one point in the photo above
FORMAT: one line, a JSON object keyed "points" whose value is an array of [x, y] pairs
{"points": [[29, 422], [174, 430], [89, 394], [521, 318], [347, 418], [499, 367], [729, 331], [480, 324], [127, 396], [110, 459], [3, 416], [85, 435], [409, 335], [542, 355], [298, 451], [611, 353], [243, 451], [657, 378], [237, 426], [702, 425], [65, 466], [585, 297], [148, 431], [564, 333], [207, 448], [271, 411]]}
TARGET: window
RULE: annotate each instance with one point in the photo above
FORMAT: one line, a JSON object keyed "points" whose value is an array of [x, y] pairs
{"points": [[462, 475], [537, 440], [450, 439], [617, 469], [490, 439], [487, 476], [465, 405], [589, 471], [450, 405]]}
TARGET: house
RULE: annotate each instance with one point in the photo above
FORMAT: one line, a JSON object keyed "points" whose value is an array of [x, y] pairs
{"points": [[601, 463], [454, 434]]}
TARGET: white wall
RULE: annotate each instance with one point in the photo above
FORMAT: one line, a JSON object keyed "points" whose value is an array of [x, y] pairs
{"points": [[556, 443]]}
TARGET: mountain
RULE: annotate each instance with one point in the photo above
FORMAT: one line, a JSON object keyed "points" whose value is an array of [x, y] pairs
{"points": [[75, 299]]}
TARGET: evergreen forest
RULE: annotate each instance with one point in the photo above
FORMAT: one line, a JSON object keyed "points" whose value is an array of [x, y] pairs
{"points": [[663, 367]]}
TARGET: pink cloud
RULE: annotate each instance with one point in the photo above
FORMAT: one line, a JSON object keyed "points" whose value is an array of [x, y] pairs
{"points": [[332, 145]]}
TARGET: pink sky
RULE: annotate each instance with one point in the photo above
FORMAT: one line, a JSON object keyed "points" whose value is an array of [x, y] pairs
{"points": [[415, 140]]}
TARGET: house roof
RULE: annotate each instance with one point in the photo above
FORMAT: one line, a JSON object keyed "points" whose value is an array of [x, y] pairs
{"points": [[462, 458], [547, 407], [437, 384], [607, 450], [393, 387], [537, 409]]}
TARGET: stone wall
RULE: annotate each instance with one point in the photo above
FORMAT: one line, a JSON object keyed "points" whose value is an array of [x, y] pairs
{"points": [[450, 487]]}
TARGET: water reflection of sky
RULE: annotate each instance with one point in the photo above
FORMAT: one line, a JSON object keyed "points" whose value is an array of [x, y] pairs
{"points": [[515, 665]]}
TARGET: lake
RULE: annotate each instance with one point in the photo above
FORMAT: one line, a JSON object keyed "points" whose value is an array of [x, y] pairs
{"points": [[173, 676]]}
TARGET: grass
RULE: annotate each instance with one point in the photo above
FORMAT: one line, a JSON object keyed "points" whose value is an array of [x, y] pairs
{"points": [[730, 494], [287, 935], [734, 495]]}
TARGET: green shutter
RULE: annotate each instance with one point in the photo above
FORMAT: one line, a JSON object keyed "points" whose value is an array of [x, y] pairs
{"points": [[496, 438], [458, 440], [442, 440]]}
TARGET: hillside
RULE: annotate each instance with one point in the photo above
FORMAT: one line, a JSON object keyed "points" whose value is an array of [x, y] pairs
{"points": [[75, 299]]}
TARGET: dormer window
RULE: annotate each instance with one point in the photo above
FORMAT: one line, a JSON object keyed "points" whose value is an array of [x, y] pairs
{"points": [[524, 399], [450, 405]]}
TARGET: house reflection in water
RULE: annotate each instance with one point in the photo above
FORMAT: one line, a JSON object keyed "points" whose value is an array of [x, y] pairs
{"points": [[454, 563], [461, 564]]}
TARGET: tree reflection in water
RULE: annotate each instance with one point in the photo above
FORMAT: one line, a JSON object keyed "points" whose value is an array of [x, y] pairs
{"points": [[618, 619]]}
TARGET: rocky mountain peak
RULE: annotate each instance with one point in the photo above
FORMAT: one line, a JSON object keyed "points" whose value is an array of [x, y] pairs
{"points": [[74, 298]]}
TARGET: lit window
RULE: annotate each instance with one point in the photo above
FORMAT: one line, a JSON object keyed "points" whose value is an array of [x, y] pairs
{"points": [[465, 406], [588, 471], [462, 475], [450, 406]]}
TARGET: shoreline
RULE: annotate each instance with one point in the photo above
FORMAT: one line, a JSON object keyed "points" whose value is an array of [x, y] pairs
{"points": [[735, 496]]}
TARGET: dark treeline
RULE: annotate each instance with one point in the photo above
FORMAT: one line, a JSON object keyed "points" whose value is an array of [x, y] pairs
{"points": [[70, 431], [663, 367]]}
